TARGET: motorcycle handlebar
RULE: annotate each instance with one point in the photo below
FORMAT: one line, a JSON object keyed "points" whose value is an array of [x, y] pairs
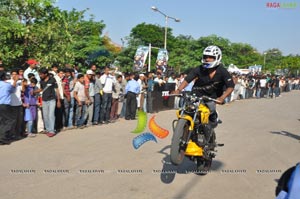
{"points": [[200, 98]]}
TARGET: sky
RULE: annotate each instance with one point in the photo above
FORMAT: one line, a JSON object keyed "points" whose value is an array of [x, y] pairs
{"points": [[240, 21]]}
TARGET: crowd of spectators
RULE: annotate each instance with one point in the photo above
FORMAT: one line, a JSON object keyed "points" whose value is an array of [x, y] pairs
{"points": [[39, 100], [262, 86]]}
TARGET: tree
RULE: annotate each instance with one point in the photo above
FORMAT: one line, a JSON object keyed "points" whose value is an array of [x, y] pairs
{"points": [[154, 34], [184, 54], [272, 59], [243, 55], [290, 63], [37, 29]]}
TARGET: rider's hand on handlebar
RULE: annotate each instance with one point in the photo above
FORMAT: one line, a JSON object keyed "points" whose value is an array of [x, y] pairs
{"points": [[220, 100]]}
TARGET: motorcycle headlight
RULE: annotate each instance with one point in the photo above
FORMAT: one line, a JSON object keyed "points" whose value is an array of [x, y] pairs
{"points": [[191, 106]]}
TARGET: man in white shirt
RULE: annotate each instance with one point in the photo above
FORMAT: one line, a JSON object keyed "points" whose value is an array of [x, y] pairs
{"points": [[58, 76], [141, 95], [32, 69], [263, 86], [159, 79], [16, 107], [81, 101], [107, 81]]}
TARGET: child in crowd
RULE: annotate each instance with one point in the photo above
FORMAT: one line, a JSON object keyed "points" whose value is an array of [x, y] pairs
{"points": [[30, 104], [40, 122]]}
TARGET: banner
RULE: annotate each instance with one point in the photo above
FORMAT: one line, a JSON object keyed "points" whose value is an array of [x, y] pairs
{"points": [[140, 58], [162, 60], [255, 69]]}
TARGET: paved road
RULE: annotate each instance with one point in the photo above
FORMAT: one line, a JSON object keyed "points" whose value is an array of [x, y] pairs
{"points": [[261, 140]]}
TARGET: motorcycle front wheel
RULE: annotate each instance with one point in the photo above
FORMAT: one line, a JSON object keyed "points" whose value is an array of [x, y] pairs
{"points": [[178, 146], [203, 165]]}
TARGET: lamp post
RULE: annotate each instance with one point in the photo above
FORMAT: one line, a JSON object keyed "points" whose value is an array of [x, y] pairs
{"points": [[166, 21], [122, 40], [265, 54]]}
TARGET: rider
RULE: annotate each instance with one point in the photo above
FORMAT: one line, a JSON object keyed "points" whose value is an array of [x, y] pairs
{"points": [[211, 78]]}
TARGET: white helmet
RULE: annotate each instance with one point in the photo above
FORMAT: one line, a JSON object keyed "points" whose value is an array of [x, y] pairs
{"points": [[213, 51]]}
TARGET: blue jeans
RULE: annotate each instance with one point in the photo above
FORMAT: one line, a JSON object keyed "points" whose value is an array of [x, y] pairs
{"points": [[270, 92], [49, 115], [277, 91], [97, 102], [81, 114], [71, 112], [123, 111], [90, 111], [106, 106], [258, 92], [29, 126]]}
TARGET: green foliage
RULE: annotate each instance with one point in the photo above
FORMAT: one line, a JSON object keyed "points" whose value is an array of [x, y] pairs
{"points": [[291, 63], [37, 29], [149, 33], [186, 52]]}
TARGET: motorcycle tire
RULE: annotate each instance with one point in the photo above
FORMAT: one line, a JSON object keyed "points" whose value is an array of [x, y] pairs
{"points": [[203, 166], [180, 134], [212, 141]]}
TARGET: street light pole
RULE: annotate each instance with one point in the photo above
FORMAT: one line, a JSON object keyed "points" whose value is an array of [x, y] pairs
{"points": [[166, 21], [166, 32], [265, 54]]}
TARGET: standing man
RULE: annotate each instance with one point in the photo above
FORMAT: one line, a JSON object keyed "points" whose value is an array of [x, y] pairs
{"points": [[72, 104], [90, 75], [116, 96], [150, 89], [132, 90], [81, 101], [107, 81], [67, 97], [6, 116], [50, 100], [141, 95], [32, 69], [98, 88], [124, 83], [58, 75], [16, 107]]}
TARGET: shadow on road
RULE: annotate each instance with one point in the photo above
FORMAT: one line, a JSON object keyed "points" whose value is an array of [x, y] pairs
{"points": [[285, 133], [169, 171]]}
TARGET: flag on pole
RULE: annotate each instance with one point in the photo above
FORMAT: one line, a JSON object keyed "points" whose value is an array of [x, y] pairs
{"points": [[140, 58], [162, 60]]}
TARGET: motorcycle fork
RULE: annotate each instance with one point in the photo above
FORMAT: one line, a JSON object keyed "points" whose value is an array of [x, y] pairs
{"points": [[191, 131]]}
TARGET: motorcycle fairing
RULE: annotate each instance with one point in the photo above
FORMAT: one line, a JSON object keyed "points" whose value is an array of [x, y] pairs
{"points": [[193, 149]]}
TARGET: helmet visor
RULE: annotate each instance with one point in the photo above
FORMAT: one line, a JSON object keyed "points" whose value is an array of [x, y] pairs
{"points": [[209, 58]]}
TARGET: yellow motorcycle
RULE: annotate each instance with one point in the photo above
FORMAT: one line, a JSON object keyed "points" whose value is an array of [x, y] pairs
{"points": [[193, 136]]}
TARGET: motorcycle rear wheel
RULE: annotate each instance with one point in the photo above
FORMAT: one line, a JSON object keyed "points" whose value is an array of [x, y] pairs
{"points": [[180, 135]]}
